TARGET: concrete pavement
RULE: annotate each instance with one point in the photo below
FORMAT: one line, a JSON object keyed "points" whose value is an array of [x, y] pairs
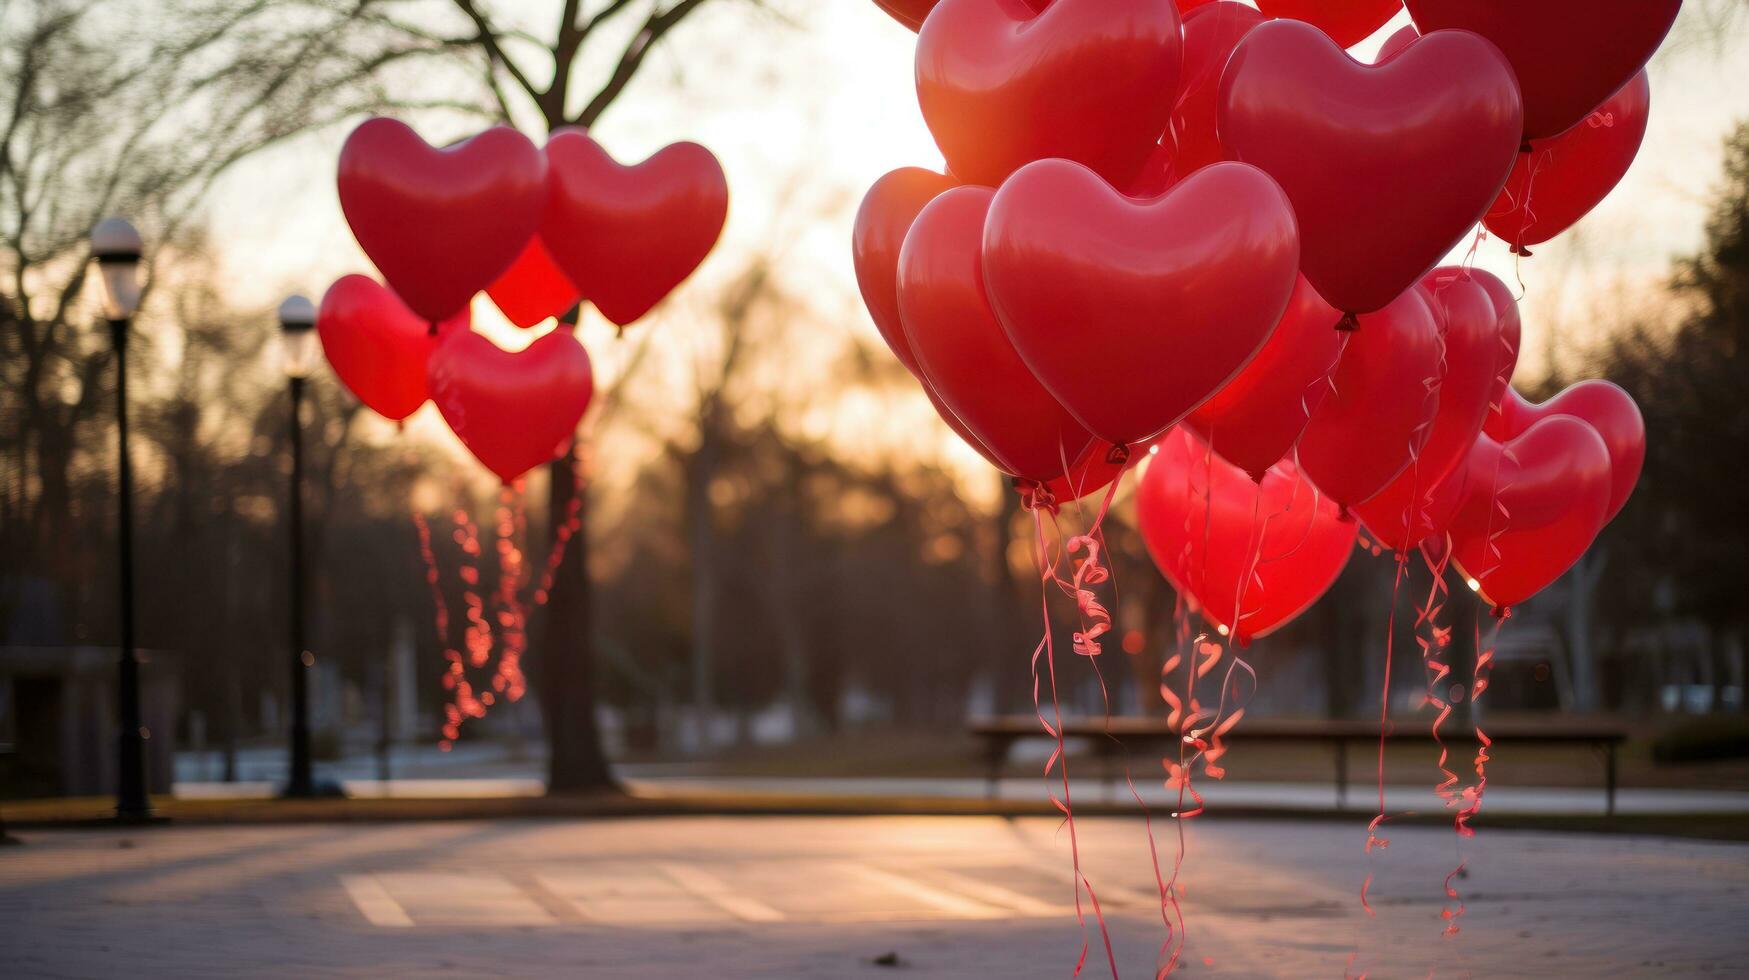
{"points": [[833, 896]]}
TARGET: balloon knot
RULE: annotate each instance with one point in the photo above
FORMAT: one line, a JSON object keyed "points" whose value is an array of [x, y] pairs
{"points": [[432, 330], [1525, 147], [1518, 249], [1035, 495], [1119, 455], [1349, 323], [1502, 612]]}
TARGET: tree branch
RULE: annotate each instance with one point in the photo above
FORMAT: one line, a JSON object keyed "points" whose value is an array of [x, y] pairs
{"points": [[489, 40], [658, 24]]}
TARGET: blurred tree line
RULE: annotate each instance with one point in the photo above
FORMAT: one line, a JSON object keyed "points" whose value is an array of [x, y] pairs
{"points": [[1678, 555], [747, 562]]}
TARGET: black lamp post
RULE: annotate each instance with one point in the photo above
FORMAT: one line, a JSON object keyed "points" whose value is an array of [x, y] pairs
{"points": [[116, 246], [297, 321]]}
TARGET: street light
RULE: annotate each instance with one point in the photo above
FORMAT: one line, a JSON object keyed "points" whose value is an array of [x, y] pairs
{"points": [[297, 351], [116, 246]]}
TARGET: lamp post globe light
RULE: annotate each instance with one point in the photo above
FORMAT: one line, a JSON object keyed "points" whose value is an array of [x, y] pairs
{"points": [[116, 248], [298, 352]]}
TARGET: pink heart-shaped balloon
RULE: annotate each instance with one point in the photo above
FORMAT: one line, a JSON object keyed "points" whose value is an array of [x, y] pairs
{"points": [[1132, 313], [1002, 85], [1532, 507], [1255, 419], [626, 236], [1381, 404], [440, 224], [533, 289], [964, 354], [1603, 406], [1249, 555], [1388, 166], [1568, 55], [1563, 177], [378, 347], [1404, 512], [514, 411]]}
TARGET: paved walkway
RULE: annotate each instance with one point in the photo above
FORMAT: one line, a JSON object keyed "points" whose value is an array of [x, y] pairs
{"points": [[831, 897]]}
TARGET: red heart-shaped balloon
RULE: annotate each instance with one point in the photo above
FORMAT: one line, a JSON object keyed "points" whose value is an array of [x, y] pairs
{"points": [[1255, 419], [1381, 404], [1248, 555], [1211, 32], [1388, 166], [962, 351], [514, 411], [1603, 406], [887, 211], [1563, 177], [1568, 55], [1394, 45], [1402, 514], [440, 224], [1348, 22], [1132, 312], [1532, 507], [626, 236], [377, 346], [908, 12], [1001, 85], [533, 289]]}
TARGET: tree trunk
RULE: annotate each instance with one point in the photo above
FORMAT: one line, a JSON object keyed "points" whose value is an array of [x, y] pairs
{"points": [[1008, 648], [701, 539], [1581, 648], [576, 761]]}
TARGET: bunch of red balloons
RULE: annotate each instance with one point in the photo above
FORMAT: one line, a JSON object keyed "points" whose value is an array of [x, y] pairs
{"points": [[540, 231], [1206, 228]]}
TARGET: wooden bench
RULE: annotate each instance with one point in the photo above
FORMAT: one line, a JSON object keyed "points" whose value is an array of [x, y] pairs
{"points": [[1121, 736]]}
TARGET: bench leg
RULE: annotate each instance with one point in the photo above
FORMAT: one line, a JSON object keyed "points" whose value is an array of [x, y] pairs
{"points": [[1609, 776], [996, 756], [1341, 774]]}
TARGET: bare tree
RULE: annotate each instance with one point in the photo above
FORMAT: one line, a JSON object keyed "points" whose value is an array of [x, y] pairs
{"points": [[139, 107], [565, 642]]}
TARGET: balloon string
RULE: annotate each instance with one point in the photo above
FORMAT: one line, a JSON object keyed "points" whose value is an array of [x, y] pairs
{"points": [[1433, 644], [1036, 501], [1373, 840], [1417, 442], [453, 675], [1096, 621], [510, 613], [476, 637], [1527, 214], [562, 535]]}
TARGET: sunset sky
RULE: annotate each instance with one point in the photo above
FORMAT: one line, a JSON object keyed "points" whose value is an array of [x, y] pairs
{"points": [[806, 112]]}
